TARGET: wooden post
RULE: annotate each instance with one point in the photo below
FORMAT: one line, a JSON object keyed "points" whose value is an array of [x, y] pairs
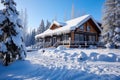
{"points": [[72, 36], [44, 43]]}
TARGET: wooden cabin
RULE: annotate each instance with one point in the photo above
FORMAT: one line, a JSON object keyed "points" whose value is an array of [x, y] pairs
{"points": [[79, 32]]}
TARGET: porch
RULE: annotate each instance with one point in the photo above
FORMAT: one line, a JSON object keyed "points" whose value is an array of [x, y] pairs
{"points": [[71, 39], [70, 44]]}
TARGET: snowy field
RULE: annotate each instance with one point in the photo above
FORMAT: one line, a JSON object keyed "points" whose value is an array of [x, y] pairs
{"points": [[65, 64]]}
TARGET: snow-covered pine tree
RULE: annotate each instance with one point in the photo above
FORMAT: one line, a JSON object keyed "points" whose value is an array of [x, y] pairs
{"points": [[47, 25], [41, 28], [111, 23], [11, 30], [116, 38], [33, 33], [3, 48]]}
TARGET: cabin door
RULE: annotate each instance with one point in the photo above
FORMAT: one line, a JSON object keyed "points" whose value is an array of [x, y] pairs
{"points": [[54, 40]]}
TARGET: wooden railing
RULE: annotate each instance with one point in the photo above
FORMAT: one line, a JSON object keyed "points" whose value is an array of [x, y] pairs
{"points": [[83, 43], [78, 42], [49, 44]]}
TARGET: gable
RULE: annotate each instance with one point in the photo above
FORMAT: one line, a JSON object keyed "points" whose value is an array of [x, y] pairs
{"points": [[88, 26], [54, 26], [94, 27]]}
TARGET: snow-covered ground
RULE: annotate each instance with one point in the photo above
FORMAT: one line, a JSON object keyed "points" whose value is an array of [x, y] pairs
{"points": [[65, 64]]}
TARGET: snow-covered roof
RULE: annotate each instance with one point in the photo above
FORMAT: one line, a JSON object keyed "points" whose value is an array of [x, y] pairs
{"points": [[67, 26], [58, 23]]}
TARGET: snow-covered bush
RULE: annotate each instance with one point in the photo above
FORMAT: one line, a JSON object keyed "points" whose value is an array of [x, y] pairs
{"points": [[93, 56], [82, 56], [102, 57], [109, 57], [61, 48], [110, 45], [112, 57], [74, 56]]}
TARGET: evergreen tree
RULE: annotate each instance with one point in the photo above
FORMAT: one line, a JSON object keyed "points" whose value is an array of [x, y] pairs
{"points": [[33, 37], [41, 28], [116, 38], [111, 23], [28, 39], [11, 30], [47, 25]]}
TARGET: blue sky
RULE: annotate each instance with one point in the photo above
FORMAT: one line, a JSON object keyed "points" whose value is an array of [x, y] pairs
{"points": [[49, 9]]}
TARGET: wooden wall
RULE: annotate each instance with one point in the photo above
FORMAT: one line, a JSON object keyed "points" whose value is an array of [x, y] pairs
{"points": [[93, 30], [72, 36], [54, 26]]}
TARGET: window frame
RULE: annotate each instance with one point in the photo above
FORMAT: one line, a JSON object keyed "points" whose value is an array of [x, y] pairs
{"points": [[81, 27], [88, 28]]}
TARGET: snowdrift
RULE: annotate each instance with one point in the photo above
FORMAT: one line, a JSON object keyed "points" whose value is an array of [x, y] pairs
{"points": [[65, 64], [82, 55]]}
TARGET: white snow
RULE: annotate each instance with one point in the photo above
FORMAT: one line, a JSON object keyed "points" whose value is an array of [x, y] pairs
{"points": [[3, 47], [109, 45], [61, 48], [1, 32], [67, 26], [2, 17], [17, 40], [65, 64], [117, 29], [58, 23]]}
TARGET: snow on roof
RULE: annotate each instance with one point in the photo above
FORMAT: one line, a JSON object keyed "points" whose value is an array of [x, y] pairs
{"points": [[58, 23], [66, 27]]}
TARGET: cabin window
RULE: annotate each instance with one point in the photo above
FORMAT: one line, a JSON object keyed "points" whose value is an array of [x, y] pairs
{"points": [[65, 37], [47, 40], [81, 37], [58, 39], [81, 27], [76, 37], [118, 16], [92, 38], [54, 40], [88, 28]]}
